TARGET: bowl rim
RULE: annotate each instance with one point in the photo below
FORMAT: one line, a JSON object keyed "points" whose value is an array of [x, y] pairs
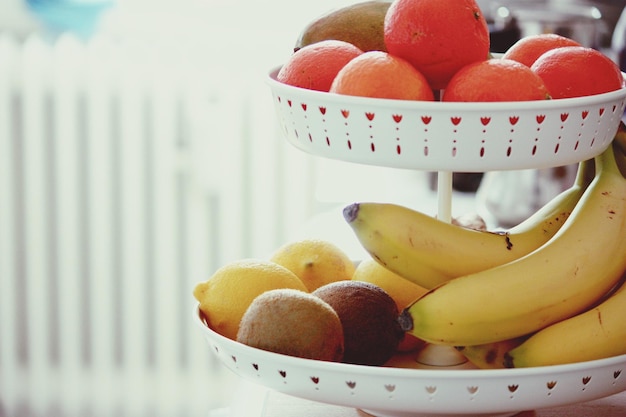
{"points": [[405, 373], [534, 105]]}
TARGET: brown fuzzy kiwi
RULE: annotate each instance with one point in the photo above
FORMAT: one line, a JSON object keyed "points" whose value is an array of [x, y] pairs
{"points": [[294, 323], [369, 319]]}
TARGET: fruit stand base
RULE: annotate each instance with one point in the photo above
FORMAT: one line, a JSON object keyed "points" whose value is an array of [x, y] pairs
{"points": [[281, 405]]}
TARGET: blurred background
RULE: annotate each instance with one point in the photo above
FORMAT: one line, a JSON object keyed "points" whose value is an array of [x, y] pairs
{"points": [[139, 151]]}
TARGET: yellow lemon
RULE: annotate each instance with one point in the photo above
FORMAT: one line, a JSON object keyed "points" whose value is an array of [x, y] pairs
{"points": [[403, 291], [316, 262], [226, 295]]}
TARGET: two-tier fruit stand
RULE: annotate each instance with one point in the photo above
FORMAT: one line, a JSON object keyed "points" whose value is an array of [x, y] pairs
{"points": [[447, 138]]}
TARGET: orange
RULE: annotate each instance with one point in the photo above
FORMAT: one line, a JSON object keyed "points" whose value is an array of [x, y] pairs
{"points": [[227, 294], [577, 71], [529, 48], [495, 80], [438, 37], [315, 66], [315, 261], [381, 75]]}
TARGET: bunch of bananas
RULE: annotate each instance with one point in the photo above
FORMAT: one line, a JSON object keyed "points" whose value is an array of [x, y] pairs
{"points": [[544, 292]]}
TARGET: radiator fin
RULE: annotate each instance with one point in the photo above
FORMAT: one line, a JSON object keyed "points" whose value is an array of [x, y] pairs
{"points": [[125, 178]]}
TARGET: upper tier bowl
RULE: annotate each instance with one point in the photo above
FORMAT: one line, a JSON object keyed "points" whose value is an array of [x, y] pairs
{"points": [[442, 136]]}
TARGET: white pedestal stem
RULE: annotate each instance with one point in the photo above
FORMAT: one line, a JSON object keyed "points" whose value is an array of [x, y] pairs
{"points": [[436, 355], [444, 196]]}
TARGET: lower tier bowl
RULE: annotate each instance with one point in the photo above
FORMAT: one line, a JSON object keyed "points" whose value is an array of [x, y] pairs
{"points": [[409, 392]]}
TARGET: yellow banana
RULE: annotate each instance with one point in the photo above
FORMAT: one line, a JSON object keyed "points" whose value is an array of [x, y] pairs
{"points": [[428, 251], [496, 355], [490, 355], [597, 333], [565, 276]]}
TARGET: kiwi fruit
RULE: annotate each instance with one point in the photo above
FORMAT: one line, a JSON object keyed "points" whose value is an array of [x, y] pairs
{"points": [[369, 317], [295, 323]]}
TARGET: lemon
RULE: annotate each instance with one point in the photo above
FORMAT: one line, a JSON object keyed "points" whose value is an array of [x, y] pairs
{"points": [[316, 262], [227, 294], [403, 291]]}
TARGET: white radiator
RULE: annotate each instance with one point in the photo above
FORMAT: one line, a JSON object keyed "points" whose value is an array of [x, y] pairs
{"points": [[127, 176]]}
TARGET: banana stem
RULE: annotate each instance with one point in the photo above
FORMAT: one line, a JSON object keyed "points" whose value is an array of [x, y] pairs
{"points": [[444, 196]]}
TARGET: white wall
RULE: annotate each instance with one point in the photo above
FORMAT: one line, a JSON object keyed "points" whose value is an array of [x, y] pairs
{"points": [[249, 30]]}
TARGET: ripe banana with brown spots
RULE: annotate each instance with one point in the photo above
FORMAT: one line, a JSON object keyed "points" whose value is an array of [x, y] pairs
{"points": [[428, 251], [561, 279], [597, 333]]}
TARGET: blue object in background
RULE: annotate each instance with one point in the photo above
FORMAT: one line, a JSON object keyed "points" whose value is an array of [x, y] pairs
{"points": [[80, 17]]}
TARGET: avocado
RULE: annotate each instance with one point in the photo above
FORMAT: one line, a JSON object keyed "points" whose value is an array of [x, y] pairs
{"points": [[361, 24]]}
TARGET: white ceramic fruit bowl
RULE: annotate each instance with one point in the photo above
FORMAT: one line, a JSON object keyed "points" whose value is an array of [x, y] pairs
{"points": [[405, 392], [438, 136]]}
